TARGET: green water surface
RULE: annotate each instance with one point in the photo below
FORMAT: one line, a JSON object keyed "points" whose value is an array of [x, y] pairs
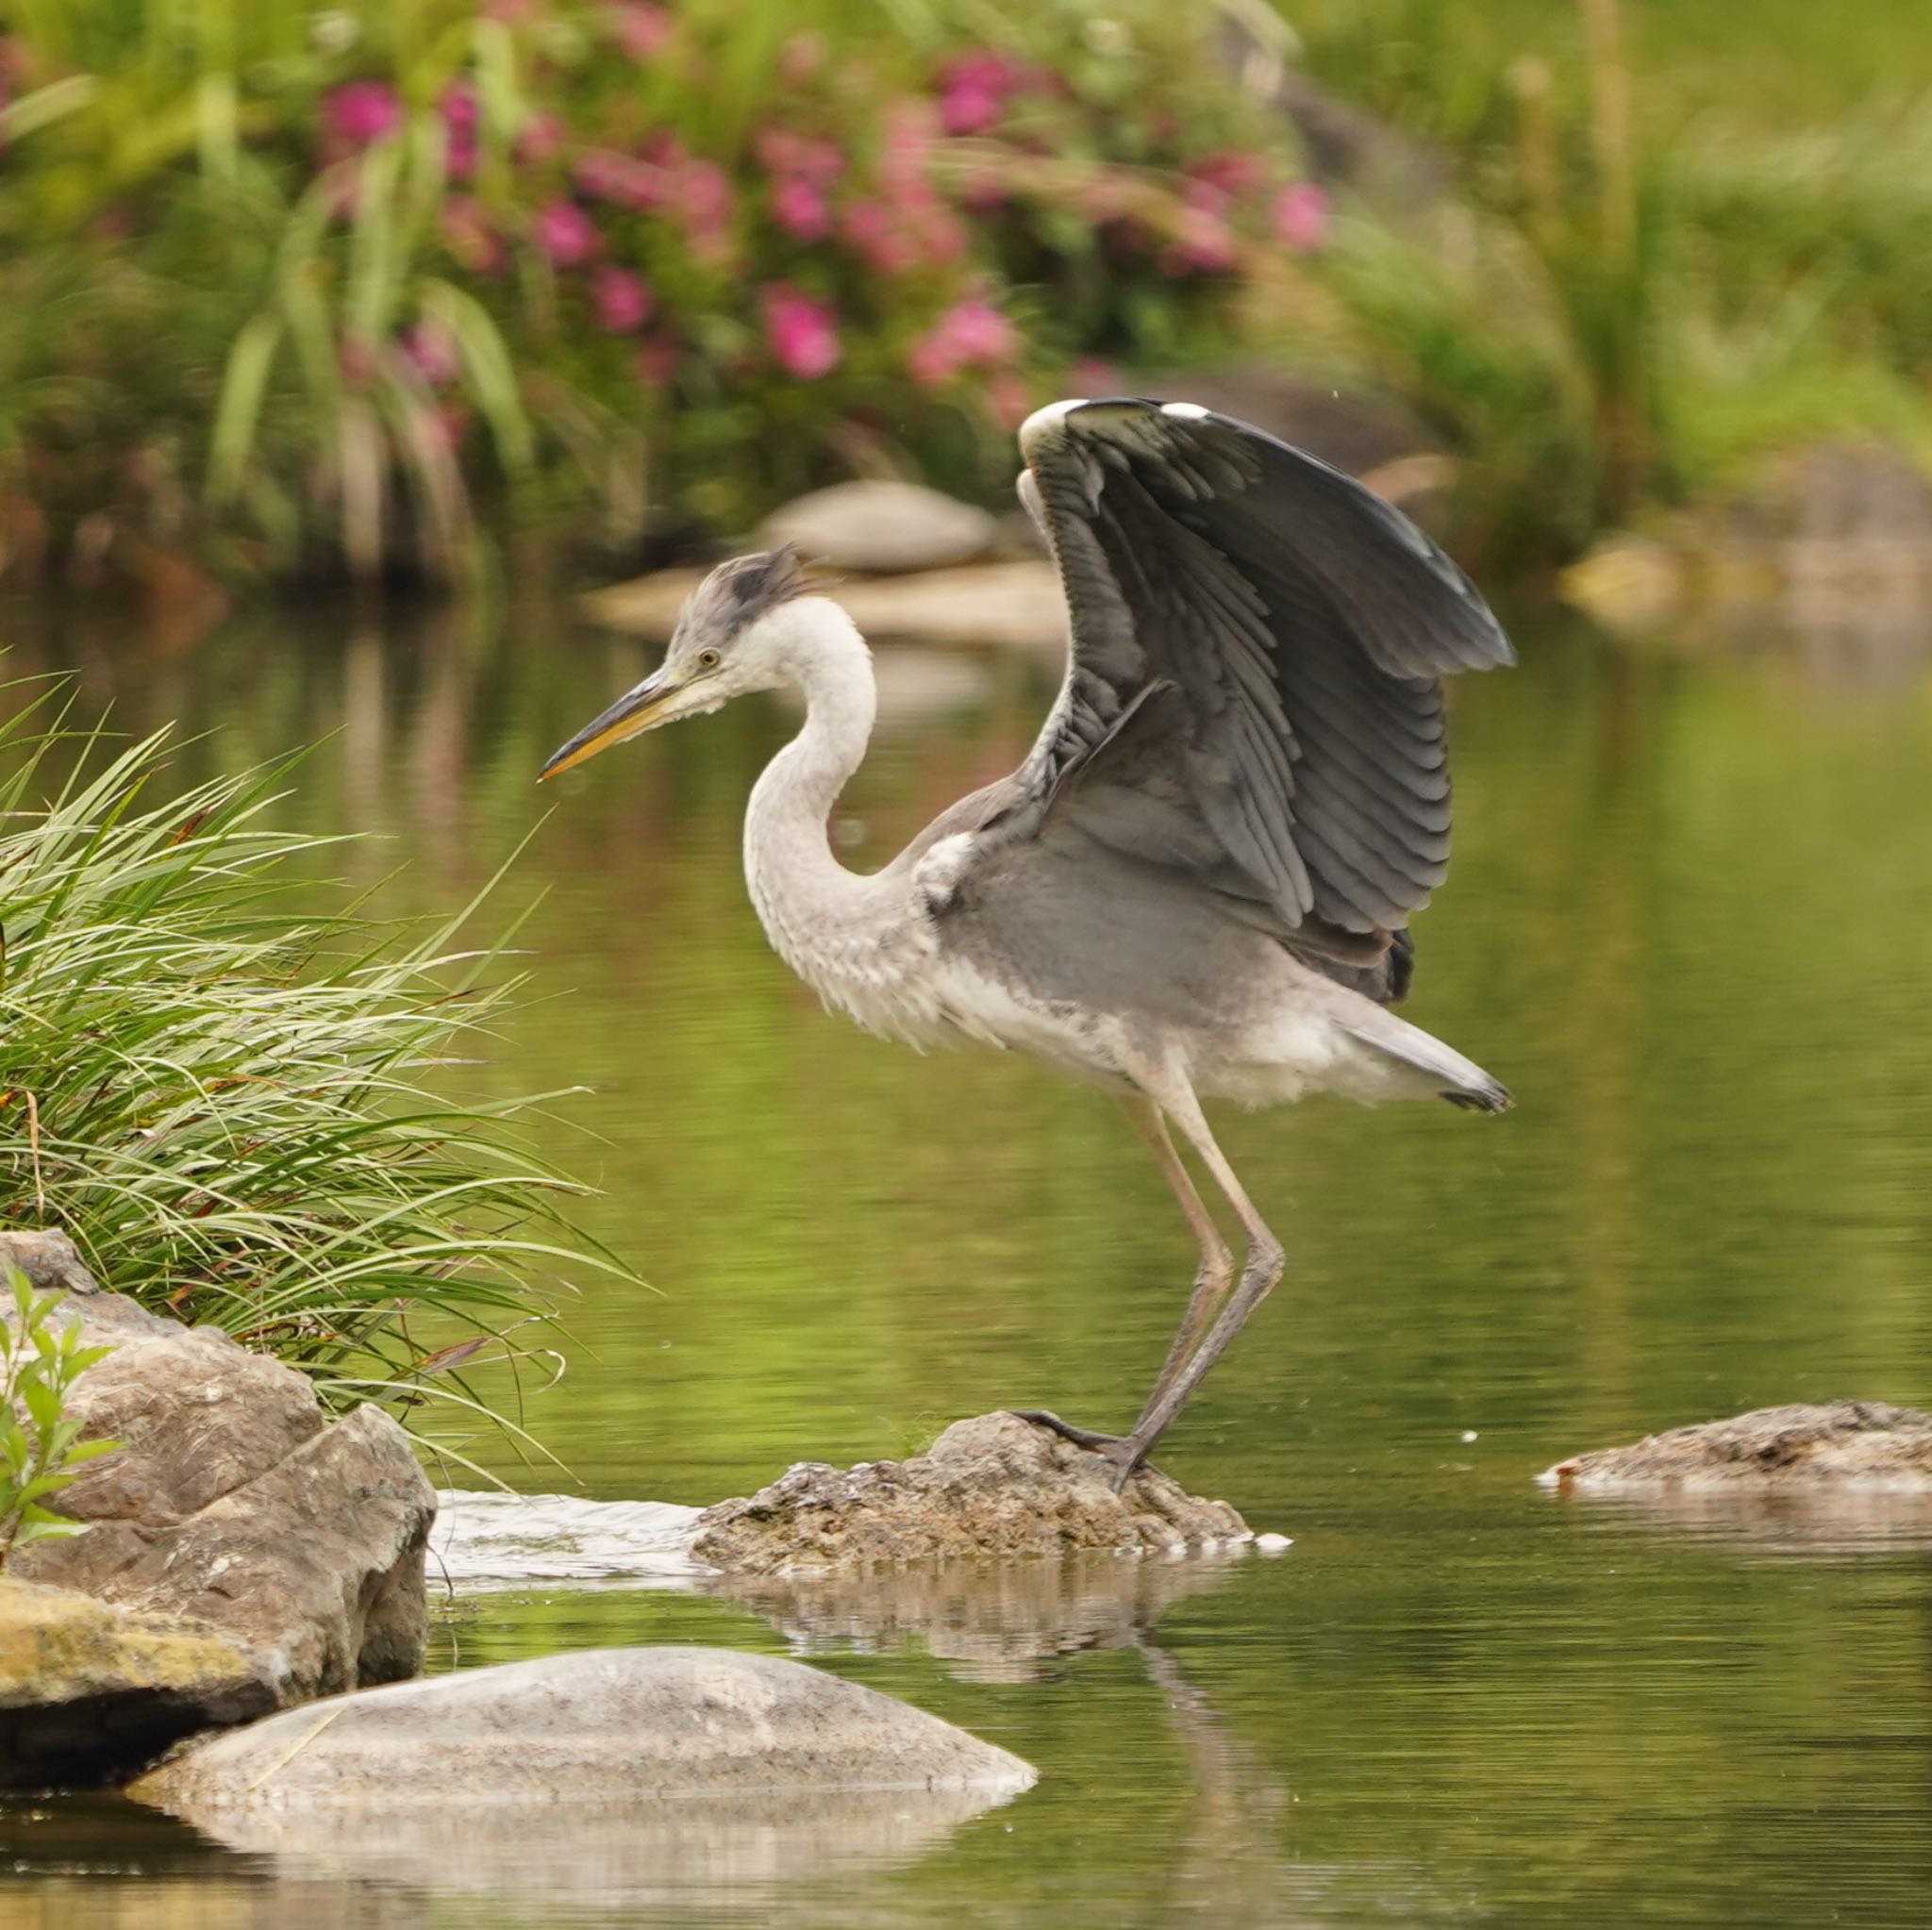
{"points": [[1687, 921]]}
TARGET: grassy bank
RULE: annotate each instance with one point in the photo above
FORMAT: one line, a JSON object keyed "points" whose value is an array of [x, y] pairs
{"points": [[251, 1114]]}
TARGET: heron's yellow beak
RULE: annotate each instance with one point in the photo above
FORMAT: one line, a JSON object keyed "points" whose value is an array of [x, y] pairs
{"points": [[637, 710]]}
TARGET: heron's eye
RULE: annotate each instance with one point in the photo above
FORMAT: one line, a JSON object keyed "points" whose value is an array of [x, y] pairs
{"points": [[707, 660]]}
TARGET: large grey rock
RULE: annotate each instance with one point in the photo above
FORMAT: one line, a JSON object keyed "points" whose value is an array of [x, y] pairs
{"points": [[992, 1486], [600, 1728], [234, 1499], [88, 1690], [1855, 1444], [881, 527]]}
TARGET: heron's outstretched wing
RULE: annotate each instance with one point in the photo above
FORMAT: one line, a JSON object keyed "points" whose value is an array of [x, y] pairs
{"points": [[1252, 688]]}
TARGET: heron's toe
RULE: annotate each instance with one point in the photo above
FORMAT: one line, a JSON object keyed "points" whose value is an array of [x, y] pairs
{"points": [[1080, 1437]]}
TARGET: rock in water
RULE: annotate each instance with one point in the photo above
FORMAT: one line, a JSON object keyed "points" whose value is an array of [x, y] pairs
{"points": [[1861, 1444], [881, 527], [596, 1728], [992, 1486], [87, 1689], [234, 1499]]}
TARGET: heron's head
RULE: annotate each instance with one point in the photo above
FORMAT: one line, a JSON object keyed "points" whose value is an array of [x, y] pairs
{"points": [[725, 643]]}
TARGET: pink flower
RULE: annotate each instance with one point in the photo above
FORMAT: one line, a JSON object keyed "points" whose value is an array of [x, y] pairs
{"points": [[704, 194], [622, 300], [1300, 217], [357, 360], [539, 139], [802, 58], [799, 208], [361, 112], [1232, 173], [657, 362], [566, 234], [457, 108], [907, 152], [1207, 196], [915, 230], [782, 152], [1007, 397], [606, 176], [430, 349], [1202, 243], [641, 30], [970, 333], [802, 332], [868, 225], [975, 89], [468, 235]]}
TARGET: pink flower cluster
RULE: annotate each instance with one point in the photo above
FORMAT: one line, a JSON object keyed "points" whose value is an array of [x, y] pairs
{"points": [[665, 178], [971, 334], [891, 201], [803, 332], [360, 113], [974, 90], [803, 169], [1300, 217], [908, 224]]}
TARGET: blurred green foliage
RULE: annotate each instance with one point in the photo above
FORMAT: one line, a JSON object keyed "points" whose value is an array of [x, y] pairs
{"points": [[1666, 247]]}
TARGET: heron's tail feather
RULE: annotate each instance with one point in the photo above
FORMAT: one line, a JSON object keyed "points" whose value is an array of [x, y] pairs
{"points": [[1459, 1080]]}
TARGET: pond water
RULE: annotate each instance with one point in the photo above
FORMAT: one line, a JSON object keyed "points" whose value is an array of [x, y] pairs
{"points": [[1686, 922]]}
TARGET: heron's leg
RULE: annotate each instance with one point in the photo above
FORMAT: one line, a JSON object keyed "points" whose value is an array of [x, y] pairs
{"points": [[1216, 1273], [1211, 1280], [1262, 1270]]}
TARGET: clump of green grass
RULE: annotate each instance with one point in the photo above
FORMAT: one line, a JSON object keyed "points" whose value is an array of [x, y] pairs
{"points": [[249, 1115]]}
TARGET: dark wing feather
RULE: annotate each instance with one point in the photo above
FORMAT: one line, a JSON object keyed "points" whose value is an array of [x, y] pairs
{"points": [[1293, 626]]}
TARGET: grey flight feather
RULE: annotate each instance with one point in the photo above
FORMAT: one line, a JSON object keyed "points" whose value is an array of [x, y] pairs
{"points": [[1252, 692]]}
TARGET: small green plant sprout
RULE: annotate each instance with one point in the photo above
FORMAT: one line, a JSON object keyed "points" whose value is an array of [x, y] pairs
{"points": [[40, 1358]]}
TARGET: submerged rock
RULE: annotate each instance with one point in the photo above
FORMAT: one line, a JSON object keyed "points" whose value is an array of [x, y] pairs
{"points": [[881, 527], [233, 1499], [601, 1729], [87, 1690], [1861, 1444], [994, 1486]]}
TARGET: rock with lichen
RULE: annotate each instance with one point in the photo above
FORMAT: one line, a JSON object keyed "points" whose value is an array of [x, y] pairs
{"points": [[88, 1690], [1851, 1444], [993, 1487]]}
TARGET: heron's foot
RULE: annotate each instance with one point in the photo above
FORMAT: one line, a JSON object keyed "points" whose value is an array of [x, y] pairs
{"points": [[1124, 1451]]}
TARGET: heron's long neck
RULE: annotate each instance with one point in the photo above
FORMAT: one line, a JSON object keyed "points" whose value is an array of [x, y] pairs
{"points": [[806, 898]]}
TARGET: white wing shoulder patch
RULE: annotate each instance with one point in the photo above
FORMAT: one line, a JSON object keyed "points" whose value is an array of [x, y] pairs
{"points": [[936, 876]]}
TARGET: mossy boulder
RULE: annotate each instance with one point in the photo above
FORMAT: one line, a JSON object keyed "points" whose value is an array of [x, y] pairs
{"points": [[89, 1691]]}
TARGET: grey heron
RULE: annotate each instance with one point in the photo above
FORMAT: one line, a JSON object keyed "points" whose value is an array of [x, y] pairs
{"points": [[1198, 883]]}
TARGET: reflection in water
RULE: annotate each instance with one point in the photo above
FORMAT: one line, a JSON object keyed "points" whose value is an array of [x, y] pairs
{"points": [[722, 1851], [1685, 922], [1005, 1623], [1827, 1519]]}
